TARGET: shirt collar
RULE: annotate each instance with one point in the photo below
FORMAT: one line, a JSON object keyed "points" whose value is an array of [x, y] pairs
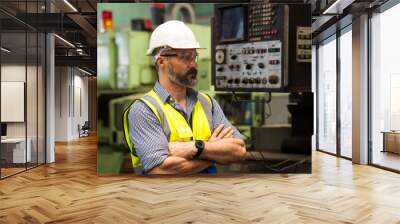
{"points": [[165, 95]]}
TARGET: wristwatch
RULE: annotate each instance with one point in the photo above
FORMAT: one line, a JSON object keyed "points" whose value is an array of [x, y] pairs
{"points": [[200, 147]]}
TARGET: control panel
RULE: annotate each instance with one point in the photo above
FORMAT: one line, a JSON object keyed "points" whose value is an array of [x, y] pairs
{"points": [[261, 46], [255, 65]]}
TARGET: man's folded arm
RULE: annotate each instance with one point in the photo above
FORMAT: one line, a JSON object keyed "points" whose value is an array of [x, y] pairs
{"points": [[179, 165], [223, 151]]}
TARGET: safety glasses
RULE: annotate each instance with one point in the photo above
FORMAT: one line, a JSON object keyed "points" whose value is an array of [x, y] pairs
{"points": [[186, 56]]}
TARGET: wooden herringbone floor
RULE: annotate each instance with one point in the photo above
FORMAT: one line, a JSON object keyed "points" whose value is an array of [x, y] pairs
{"points": [[70, 191]]}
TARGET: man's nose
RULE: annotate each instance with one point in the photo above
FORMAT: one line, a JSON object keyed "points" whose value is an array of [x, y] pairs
{"points": [[193, 64]]}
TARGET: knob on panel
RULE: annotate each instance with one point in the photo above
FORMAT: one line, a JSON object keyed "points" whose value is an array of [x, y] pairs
{"points": [[219, 56], [273, 79]]}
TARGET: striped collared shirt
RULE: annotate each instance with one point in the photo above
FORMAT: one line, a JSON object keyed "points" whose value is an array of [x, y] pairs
{"points": [[147, 135]]}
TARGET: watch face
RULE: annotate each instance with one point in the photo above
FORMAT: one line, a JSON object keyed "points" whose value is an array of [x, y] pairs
{"points": [[199, 144]]}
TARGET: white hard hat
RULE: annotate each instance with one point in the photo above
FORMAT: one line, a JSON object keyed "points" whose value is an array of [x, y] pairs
{"points": [[173, 34]]}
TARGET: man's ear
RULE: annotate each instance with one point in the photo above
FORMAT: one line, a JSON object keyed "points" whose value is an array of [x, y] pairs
{"points": [[161, 62]]}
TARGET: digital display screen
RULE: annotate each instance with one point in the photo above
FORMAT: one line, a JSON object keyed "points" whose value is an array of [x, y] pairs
{"points": [[274, 50], [232, 24]]}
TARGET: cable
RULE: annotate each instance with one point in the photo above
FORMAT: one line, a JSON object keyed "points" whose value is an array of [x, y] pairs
{"points": [[273, 166]]}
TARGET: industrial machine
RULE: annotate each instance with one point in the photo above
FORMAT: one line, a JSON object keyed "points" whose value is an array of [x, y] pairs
{"points": [[124, 69], [262, 47]]}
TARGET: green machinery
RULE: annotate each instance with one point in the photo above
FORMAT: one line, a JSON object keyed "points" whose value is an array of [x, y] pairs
{"points": [[123, 69]]}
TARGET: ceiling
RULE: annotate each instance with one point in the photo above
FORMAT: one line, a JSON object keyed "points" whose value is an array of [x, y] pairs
{"points": [[22, 20]]}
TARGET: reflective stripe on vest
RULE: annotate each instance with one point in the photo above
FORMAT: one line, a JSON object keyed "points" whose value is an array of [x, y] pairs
{"points": [[173, 123], [125, 122]]}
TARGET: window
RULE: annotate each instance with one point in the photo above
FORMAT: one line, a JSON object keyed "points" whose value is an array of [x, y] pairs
{"points": [[346, 92], [327, 95], [385, 86]]}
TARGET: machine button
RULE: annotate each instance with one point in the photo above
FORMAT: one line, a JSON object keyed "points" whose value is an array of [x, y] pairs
{"points": [[257, 80], [233, 57], [251, 80], [274, 62], [245, 81], [261, 65], [264, 81], [248, 66], [273, 79], [237, 81], [220, 69]]}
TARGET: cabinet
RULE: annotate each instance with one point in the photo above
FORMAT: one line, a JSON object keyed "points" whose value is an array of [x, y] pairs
{"points": [[13, 150], [391, 141]]}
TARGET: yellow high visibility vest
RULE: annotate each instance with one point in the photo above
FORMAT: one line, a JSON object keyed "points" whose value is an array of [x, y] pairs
{"points": [[173, 123]]}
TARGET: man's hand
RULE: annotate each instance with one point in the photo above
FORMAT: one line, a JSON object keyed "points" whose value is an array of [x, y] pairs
{"points": [[221, 147], [225, 151], [187, 149], [182, 149], [220, 133]]}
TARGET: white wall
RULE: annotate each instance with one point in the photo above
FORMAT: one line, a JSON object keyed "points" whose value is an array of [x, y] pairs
{"points": [[71, 94], [33, 126], [61, 103], [16, 73], [80, 104]]}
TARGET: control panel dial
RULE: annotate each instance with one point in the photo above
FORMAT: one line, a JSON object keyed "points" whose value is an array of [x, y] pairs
{"points": [[219, 56]]}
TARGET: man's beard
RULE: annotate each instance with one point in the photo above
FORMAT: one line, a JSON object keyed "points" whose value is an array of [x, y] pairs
{"points": [[187, 79]]}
